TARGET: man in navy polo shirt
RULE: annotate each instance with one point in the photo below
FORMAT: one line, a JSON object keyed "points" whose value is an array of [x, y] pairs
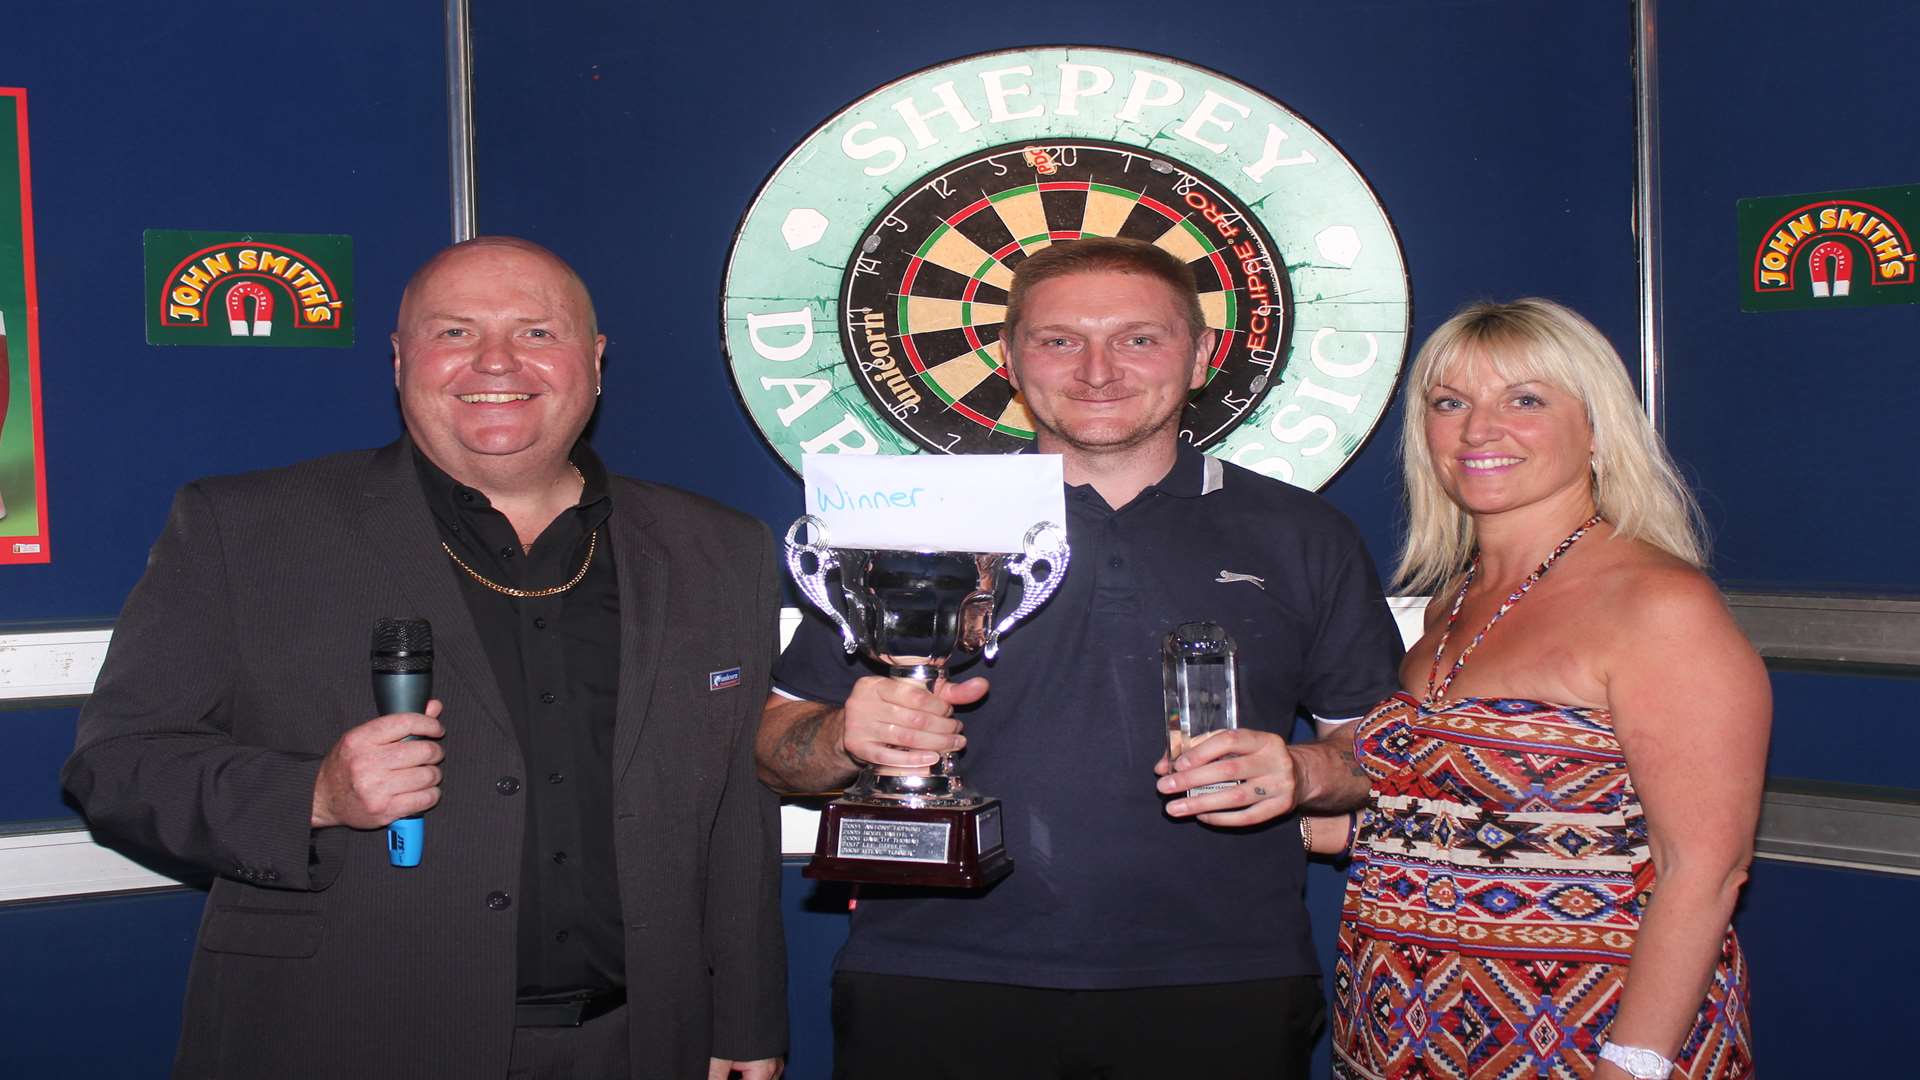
{"points": [[1130, 941]]}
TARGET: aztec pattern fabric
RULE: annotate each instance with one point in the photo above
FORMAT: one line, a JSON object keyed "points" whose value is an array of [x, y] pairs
{"points": [[1499, 876]]}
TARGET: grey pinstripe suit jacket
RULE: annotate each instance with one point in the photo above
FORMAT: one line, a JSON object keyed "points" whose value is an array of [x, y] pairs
{"points": [[242, 656]]}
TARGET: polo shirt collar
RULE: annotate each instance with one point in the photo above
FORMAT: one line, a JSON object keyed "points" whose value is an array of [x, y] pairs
{"points": [[1193, 474]]}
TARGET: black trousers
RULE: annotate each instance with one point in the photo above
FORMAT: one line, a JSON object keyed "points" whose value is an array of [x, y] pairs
{"points": [[887, 1026]]}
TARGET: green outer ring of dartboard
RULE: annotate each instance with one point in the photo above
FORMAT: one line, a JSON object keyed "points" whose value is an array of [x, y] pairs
{"points": [[1342, 258]]}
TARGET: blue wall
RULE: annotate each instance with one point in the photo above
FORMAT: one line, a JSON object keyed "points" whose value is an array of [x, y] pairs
{"points": [[327, 118], [94, 987], [1797, 425], [631, 137]]}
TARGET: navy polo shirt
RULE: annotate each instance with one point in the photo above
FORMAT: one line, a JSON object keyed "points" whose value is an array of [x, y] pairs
{"points": [[1107, 891]]}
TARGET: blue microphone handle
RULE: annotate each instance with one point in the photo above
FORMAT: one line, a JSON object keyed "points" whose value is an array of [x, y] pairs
{"points": [[398, 692]]}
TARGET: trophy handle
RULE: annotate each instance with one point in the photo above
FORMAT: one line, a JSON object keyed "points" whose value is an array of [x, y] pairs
{"points": [[813, 585], [1046, 546]]}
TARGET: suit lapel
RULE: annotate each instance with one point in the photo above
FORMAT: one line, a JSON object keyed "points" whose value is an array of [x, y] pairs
{"points": [[643, 577], [394, 518]]}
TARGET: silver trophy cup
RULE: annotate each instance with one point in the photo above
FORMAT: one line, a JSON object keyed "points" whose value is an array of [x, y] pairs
{"points": [[920, 613]]}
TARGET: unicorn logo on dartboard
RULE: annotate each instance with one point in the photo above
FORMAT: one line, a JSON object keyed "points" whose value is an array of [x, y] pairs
{"points": [[868, 280]]}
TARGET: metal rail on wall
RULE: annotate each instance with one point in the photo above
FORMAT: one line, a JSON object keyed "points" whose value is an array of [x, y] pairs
{"points": [[1646, 206], [460, 118]]}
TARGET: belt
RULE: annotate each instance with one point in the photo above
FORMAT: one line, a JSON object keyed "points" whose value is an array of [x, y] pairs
{"points": [[566, 1010]]}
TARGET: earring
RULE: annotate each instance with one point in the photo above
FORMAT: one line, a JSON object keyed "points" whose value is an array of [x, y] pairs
{"points": [[596, 390]]}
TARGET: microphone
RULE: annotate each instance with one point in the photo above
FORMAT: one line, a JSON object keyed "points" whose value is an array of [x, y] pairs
{"points": [[403, 682]]}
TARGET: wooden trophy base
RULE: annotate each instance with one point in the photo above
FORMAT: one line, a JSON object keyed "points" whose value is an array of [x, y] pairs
{"points": [[884, 844]]}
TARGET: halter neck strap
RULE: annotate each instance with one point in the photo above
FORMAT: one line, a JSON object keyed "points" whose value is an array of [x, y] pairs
{"points": [[1437, 693]]}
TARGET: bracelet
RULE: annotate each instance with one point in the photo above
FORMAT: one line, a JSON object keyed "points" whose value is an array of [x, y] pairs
{"points": [[1353, 833]]}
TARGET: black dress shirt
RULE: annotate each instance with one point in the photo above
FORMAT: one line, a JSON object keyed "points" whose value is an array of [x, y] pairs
{"points": [[557, 660]]}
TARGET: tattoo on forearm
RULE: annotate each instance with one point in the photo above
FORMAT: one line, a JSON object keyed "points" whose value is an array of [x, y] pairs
{"points": [[795, 749]]}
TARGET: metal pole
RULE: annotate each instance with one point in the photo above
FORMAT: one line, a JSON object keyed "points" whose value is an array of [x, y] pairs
{"points": [[1646, 205], [460, 118]]}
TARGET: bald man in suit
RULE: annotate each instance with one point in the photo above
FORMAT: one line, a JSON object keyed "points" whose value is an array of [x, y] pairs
{"points": [[599, 892]]}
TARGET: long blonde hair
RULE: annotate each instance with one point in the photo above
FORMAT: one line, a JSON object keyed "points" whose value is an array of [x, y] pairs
{"points": [[1635, 485]]}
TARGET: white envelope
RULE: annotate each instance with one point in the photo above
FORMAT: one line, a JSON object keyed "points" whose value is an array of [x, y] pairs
{"points": [[934, 502]]}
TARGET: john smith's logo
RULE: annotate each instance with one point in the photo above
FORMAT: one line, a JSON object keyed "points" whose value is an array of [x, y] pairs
{"points": [[1824, 247], [1830, 249], [244, 280], [251, 289]]}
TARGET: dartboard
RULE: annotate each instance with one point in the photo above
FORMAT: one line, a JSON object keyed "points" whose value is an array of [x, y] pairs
{"points": [[867, 283], [923, 299]]}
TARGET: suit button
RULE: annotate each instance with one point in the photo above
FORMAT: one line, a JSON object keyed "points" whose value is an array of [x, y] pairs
{"points": [[269, 875], [506, 785], [499, 901], [546, 697]]}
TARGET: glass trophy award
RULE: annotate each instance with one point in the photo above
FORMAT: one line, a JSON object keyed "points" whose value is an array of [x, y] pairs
{"points": [[1197, 675]]}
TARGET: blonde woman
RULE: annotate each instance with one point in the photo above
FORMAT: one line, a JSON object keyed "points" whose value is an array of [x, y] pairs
{"points": [[1564, 795]]}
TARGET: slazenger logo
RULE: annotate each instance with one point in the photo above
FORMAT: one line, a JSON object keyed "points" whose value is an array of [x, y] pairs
{"points": [[868, 279]]}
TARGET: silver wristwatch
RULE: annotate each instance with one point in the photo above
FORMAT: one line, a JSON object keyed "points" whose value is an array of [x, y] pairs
{"points": [[1639, 1062]]}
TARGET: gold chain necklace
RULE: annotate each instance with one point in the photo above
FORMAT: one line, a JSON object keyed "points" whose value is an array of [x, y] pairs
{"points": [[593, 541]]}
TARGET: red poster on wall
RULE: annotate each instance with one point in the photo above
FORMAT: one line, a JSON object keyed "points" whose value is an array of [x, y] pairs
{"points": [[23, 468]]}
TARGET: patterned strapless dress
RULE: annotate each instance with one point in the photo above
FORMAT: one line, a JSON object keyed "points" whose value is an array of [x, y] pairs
{"points": [[1498, 878], [1500, 872]]}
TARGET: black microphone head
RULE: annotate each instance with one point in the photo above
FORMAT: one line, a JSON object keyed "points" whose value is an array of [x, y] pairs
{"points": [[402, 645]]}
